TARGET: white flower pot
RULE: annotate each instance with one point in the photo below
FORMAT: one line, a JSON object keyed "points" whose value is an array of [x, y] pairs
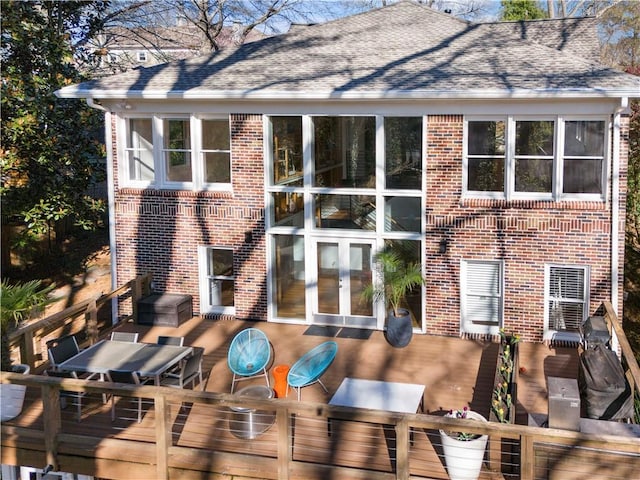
{"points": [[12, 396], [464, 457]]}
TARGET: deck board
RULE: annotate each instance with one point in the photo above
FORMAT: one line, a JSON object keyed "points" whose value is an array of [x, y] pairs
{"points": [[456, 372]]}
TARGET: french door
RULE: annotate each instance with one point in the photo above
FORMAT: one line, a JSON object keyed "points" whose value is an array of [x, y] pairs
{"points": [[343, 270]]}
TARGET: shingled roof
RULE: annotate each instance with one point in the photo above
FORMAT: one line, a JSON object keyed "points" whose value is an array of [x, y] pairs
{"points": [[404, 50]]}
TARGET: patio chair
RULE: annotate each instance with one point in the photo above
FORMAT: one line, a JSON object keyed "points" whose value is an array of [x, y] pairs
{"points": [[61, 349], [125, 377], [125, 336], [188, 373], [168, 340], [249, 355], [311, 366]]}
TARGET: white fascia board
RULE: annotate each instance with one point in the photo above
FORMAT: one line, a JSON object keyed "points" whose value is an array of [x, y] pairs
{"points": [[72, 92]]}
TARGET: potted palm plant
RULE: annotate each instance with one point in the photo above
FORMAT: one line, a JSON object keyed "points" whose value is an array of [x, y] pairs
{"points": [[398, 279], [17, 303]]}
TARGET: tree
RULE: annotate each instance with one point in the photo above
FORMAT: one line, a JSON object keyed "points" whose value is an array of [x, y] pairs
{"points": [[520, 10], [51, 148]]}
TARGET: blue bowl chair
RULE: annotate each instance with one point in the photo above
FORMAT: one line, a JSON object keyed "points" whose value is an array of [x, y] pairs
{"points": [[311, 366], [249, 355]]}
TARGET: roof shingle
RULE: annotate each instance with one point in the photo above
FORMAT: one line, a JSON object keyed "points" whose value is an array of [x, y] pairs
{"points": [[405, 49]]}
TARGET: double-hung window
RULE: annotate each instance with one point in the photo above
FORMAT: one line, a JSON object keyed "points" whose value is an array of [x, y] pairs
{"points": [[566, 297], [176, 152], [482, 296], [551, 158], [217, 280], [139, 162], [215, 151]]}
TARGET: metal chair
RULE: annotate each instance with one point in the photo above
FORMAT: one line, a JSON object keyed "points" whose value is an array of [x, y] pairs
{"points": [[124, 377], [311, 366], [187, 374], [168, 340], [125, 336], [249, 355], [61, 349]]}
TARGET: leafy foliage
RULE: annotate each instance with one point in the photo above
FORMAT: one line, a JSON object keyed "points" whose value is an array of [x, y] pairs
{"points": [[520, 10], [51, 148], [18, 302], [399, 278]]}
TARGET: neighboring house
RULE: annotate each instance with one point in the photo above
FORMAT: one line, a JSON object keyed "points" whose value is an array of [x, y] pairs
{"points": [[118, 49], [263, 180]]}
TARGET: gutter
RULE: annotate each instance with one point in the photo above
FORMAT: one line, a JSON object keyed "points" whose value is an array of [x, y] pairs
{"points": [[110, 200], [73, 91], [615, 213]]}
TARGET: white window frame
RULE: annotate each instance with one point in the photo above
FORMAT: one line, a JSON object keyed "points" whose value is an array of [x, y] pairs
{"points": [[141, 56], [467, 324], [563, 334], [556, 193], [124, 151], [198, 156], [465, 160], [196, 183], [205, 305]]}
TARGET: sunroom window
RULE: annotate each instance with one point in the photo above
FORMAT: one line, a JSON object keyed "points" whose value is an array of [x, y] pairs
{"points": [[403, 152]]}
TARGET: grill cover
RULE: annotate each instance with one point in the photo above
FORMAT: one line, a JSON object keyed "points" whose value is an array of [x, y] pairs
{"points": [[603, 387]]}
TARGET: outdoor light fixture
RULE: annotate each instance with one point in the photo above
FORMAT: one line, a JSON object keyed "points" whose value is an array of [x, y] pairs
{"points": [[444, 244]]}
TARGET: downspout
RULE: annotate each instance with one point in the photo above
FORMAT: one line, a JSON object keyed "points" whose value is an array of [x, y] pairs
{"points": [[110, 200], [615, 212]]}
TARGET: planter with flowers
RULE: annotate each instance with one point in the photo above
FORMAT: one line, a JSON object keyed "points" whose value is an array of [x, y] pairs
{"points": [[463, 452], [503, 401]]}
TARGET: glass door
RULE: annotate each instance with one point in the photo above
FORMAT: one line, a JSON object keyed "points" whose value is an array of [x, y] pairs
{"points": [[343, 270]]}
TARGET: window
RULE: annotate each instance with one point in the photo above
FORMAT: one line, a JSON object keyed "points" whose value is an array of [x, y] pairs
{"points": [[177, 151], [344, 152], [482, 298], [216, 151], [486, 156], [403, 152], [174, 152], [139, 150], [583, 166], [552, 159], [287, 150], [217, 280], [534, 156], [289, 276], [566, 297], [142, 56]]}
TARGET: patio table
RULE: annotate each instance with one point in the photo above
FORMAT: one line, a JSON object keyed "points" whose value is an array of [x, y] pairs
{"points": [[146, 359], [379, 395]]}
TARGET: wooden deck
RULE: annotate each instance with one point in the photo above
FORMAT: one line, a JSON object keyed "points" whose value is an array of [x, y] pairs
{"points": [[455, 372]]}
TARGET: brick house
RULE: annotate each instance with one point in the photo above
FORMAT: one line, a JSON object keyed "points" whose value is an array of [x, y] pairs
{"points": [[263, 180]]}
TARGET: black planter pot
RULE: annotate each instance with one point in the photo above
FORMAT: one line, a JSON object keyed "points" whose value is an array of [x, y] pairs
{"points": [[399, 329]]}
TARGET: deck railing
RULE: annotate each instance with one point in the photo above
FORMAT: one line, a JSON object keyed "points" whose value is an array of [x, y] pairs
{"points": [[28, 343], [191, 434], [297, 445]]}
